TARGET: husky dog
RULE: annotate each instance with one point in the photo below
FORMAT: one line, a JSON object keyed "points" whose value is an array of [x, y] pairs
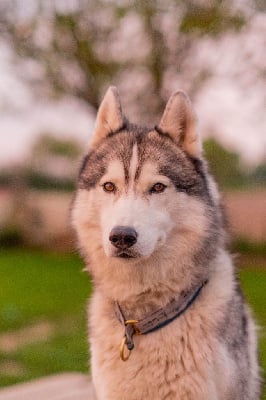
{"points": [[167, 317]]}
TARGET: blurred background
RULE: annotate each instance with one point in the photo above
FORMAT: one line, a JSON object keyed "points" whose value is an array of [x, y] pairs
{"points": [[57, 58]]}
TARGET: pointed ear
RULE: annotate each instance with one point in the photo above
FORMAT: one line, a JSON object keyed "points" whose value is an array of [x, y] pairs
{"points": [[179, 122], [109, 117]]}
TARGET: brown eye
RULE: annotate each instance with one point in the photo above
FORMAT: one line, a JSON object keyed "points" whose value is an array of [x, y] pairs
{"points": [[109, 187], [158, 188]]}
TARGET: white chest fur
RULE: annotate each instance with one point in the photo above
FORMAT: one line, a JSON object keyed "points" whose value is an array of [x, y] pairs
{"points": [[181, 360]]}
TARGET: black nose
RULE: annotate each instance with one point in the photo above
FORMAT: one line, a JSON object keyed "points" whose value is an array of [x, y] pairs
{"points": [[123, 237]]}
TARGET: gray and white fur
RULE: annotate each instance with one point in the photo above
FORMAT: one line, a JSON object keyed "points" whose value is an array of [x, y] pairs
{"points": [[154, 183]]}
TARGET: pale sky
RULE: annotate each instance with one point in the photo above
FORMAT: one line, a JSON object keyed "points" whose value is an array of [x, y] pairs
{"points": [[23, 117], [232, 104]]}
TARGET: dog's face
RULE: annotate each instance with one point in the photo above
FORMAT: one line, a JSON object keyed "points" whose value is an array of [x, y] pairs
{"points": [[143, 193], [135, 214], [135, 194]]}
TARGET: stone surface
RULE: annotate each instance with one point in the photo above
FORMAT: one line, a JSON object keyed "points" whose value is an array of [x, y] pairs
{"points": [[67, 386]]}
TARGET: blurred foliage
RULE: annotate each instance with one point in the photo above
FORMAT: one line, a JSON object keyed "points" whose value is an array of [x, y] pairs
{"points": [[259, 174], [41, 181], [224, 165], [53, 164], [201, 18], [48, 144], [227, 169], [11, 236], [85, 45], [29, 178], [245, 247], [5, 178]]}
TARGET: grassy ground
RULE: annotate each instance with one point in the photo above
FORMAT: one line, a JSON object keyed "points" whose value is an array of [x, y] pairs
{"points": [[253, 282], [42, 313], [46, 294]]}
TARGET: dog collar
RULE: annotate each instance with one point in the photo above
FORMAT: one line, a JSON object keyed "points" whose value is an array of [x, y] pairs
{"points": [[156, 320]]}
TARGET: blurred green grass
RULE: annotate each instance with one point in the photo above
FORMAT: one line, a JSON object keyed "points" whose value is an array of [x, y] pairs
{"points": [[38, 286], [43, 287], [253, 281]]}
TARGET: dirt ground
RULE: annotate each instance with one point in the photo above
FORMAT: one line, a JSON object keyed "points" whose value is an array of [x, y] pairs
{"points": [[246, 213]]}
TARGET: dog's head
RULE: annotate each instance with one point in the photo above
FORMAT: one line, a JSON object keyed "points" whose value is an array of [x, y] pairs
{"points": [[142, 192]]}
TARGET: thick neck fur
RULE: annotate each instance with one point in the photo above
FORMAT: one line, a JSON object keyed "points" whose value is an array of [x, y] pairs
{"points": [[144, 287]]}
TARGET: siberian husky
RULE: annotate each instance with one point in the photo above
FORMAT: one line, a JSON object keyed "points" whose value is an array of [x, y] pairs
{"points": [[167, 319]]}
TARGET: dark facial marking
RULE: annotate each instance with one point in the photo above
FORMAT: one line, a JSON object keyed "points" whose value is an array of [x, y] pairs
{"points": [[116, 146], [186, 173], [199, 168], [92, 169]]}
